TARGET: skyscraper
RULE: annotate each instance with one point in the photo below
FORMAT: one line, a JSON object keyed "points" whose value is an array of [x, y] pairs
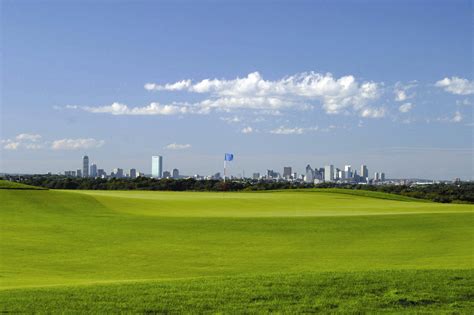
{"points": [[133, 173], [118, 172], [287, 172], [175, 173], [157, 166], [364, 172], [85, 166], [329, 173], [348, 171], [93, 172], [309, 176]]}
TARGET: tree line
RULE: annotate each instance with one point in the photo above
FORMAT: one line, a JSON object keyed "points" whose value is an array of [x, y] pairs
{"points": [[446, 193]]}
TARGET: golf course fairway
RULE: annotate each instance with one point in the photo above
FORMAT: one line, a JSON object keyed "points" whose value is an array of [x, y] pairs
{"points": [[292, 251]]}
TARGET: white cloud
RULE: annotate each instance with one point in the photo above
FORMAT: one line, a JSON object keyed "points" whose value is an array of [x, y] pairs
{"points": [[287, 131], [75, 144], [152, 109], [28, 137], [457, 117], [11, 145], [405, 108], [180, 85], [247, 130], [299, 91], [373, 112], [176, 146], [231, 120], [23, 140], [455, 85], [401, 91]]}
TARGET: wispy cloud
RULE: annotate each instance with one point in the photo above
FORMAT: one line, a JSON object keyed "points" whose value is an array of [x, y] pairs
{"points": [[401, 91], [22, 141], [154, 108], [76, 144], [247, 129], [456, 85], [292, 130], [405, 108], [177, 146]]}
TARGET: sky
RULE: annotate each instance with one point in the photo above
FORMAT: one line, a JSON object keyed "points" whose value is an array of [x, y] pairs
{"points": [[277, 83]]}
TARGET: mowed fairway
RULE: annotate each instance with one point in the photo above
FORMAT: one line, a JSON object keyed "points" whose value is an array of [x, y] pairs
{"points": [[288, 251]]}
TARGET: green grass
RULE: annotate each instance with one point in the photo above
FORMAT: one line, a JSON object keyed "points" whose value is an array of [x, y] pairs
{"points": [[287, 251], [5, 184]]}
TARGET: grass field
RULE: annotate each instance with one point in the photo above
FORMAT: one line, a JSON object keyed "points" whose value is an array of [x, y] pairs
{"points": [[284, 251]]}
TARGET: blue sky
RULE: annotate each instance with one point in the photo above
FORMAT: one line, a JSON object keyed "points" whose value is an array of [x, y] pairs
{"points": [[277, 83]]}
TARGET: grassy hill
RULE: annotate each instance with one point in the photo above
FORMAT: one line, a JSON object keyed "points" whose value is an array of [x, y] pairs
{"points": [[288, 251], [5, 184]]}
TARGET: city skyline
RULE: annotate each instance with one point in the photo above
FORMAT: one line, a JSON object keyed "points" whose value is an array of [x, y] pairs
{"points": [[328, 173], [341, 91]]}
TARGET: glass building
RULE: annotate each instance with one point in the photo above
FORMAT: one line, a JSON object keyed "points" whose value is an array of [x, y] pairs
{"points": [[157, 166], [85, 166]]}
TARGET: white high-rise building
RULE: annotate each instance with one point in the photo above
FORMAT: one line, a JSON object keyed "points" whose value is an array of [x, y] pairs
{"points": [[376, 176], [329, 173], [85, 166], [348, 171], [157, 166]]}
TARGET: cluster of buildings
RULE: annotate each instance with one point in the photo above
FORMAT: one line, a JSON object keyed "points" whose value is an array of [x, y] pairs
{"points": [[328, 173], [91, 170]]}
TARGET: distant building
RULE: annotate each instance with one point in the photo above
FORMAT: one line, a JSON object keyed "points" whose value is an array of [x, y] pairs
{"points": [[101, 173], [272, 174], [79, 173], [118, 172], [376, 176], [287, 172], [348, 171], [85, 166], [329, 173], [133, 173], [364, 172], [166, 174], [70, 173], [157, 166], [93, 169], [382, 177], [256, 176], [175, 173], [309, 174]]}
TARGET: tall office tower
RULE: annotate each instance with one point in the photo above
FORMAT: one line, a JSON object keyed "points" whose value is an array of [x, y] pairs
{"points": [[376, 176], [133, 173], [256, 175], [348, 171], [382, 177], [309, 174], [93, 172], [118, 172], [85, 166], [329, 173], [166, 174], [364, 172], [287, 172], [157, 166], [175, 173], [101, 173], [79, 173], [341, 174]]}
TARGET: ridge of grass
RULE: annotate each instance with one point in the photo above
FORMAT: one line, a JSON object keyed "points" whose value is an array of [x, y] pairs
{"points": [[5, 184]]}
